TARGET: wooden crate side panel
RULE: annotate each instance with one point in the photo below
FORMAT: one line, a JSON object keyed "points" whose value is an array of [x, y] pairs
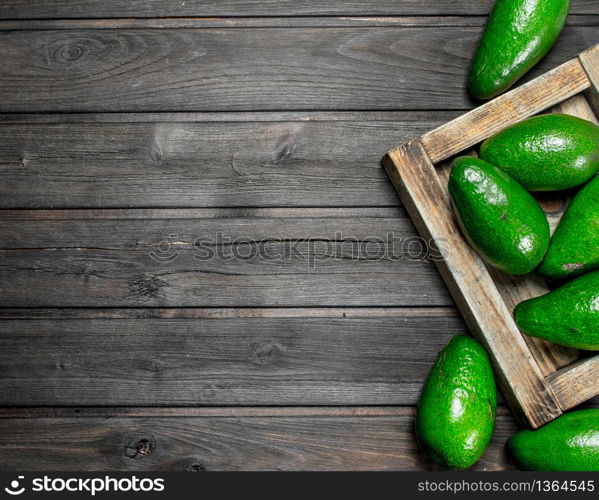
{"points": [[229, 439], [576, 383], [418, 185]]}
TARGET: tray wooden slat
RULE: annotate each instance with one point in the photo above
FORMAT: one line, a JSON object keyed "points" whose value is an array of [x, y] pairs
{"points": [[539, 379], [548, 90], [576, 383]]}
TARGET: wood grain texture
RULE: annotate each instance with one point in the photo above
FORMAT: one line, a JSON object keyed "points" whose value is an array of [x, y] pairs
{"points": [[175, 160], [202, 160], [476, 295], [287, 260], [590, 62], [261, 357], [535, 96], [23, 9], [244, 69], [226, 443], [576, 383]]}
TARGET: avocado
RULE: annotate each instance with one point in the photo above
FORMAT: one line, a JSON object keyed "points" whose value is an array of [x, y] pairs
{"points": [[574, 247], [569, 315], [569, 443], [518, 34], [498, 216], [547, 152], [456, 412]]}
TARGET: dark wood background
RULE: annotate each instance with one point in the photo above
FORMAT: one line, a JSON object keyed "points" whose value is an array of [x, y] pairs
{"points": [[124, 124]]}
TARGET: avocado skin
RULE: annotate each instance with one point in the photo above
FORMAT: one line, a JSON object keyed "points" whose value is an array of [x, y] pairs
{"points": [[547, 152], [569, 315], [456, 412], [569, 443], [501, 220], [574, 247], [518, 34]]}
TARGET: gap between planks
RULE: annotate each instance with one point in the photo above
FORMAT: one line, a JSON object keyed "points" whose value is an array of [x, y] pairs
{"points": [[225, 412], [404, 116], [42, 9], [224, 313], [201, 213], [267, 22]]}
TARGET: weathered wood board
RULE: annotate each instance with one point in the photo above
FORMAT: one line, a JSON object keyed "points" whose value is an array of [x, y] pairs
{"points": [[215, 258], [202, 159], [224, 439], [247, 69], [198, 357]]}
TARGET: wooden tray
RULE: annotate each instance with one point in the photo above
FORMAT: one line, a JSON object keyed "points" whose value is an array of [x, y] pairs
{"points": [[540, 380]]}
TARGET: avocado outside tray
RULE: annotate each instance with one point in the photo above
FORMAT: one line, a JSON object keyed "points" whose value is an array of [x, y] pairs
{"points": [[540, 380]]}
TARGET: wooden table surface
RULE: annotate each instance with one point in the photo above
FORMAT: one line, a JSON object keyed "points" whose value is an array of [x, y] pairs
{"points": [[203, 265]]}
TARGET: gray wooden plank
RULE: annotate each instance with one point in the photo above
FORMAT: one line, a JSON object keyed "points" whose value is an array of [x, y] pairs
{"points": [[364, 358], [284, 260], [226, 443], [240, 356], [247, 69], [176, 160], [304, 160], [23, 9]]}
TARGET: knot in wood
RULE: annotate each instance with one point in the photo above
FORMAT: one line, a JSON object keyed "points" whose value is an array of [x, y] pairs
{"points": [[140, 447], [67, 52], [266, 353]]}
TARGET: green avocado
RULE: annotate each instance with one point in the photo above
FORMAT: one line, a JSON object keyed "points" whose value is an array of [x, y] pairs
{"points": [[569, 443], [546, 153], [456, 412], [574, 247], [518, 34], [499, 217], [569, 315]]}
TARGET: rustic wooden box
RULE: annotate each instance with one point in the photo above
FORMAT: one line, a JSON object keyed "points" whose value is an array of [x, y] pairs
{"points": [[540, 380]]}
